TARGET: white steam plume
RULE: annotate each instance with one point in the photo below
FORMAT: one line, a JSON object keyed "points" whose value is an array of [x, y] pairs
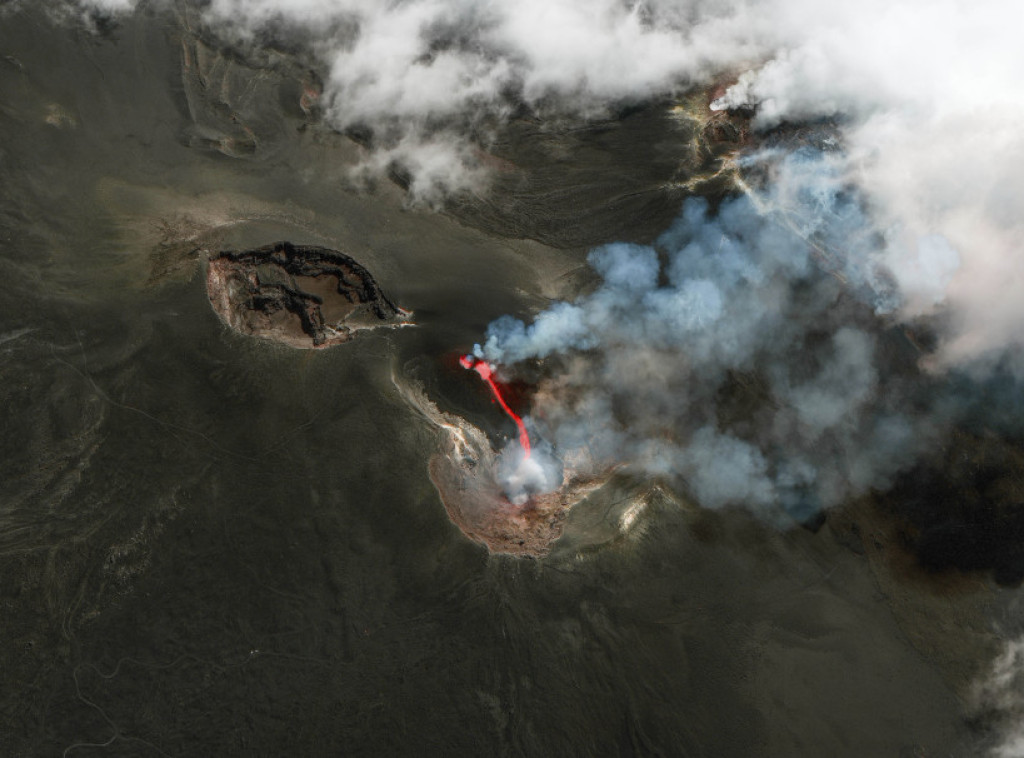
{"points": [[520, 475]]}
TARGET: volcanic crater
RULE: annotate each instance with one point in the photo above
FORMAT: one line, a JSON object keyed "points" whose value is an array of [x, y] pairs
{"points": [[299, 295]]}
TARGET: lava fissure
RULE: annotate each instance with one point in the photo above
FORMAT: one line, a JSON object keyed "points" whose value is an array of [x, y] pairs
{"points": [[486, 373]]}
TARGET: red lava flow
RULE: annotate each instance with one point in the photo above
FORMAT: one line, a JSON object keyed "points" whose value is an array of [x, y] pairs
{"points": [[486, 373]]}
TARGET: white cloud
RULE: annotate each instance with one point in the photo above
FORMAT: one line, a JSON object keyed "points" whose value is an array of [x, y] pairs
{"points": [[1001, 694], [929, 98]]}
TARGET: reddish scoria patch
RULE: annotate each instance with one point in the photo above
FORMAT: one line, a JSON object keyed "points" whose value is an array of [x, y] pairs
{"points": [[483, 368]]}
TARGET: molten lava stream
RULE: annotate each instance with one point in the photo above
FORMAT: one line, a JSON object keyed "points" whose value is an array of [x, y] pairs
{"points": [[486, 373]]}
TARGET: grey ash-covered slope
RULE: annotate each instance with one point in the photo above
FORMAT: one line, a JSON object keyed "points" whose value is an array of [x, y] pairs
{"points": [[302, 296]]}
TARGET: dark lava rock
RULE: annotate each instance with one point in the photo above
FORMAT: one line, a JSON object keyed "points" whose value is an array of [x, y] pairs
{"points": [[302, 296]]}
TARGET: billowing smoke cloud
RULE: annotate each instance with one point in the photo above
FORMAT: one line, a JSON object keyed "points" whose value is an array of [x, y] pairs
{"points": [[734, 355]]}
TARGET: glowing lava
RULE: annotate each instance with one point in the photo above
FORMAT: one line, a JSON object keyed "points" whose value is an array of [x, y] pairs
{"points": [[486, 373]]}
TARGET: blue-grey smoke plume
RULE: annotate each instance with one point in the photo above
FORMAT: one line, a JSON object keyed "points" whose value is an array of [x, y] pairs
{"points": [[739, 354]]}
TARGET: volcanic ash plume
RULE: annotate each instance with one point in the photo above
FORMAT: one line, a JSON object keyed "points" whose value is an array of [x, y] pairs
{"points": [[738, 355]]}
